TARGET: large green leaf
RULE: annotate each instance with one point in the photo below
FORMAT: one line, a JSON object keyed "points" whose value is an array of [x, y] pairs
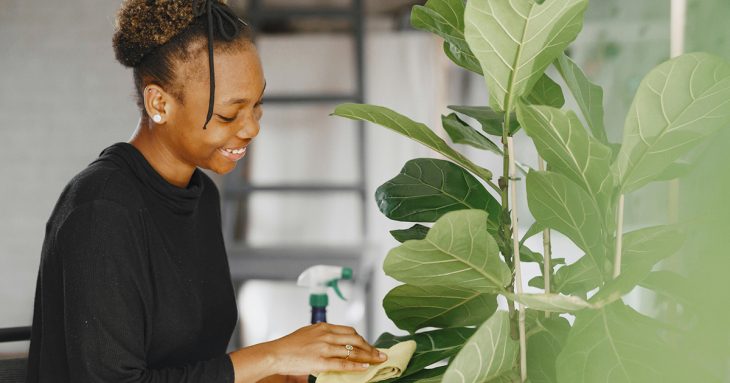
{"points": [[431, 375], [612, 344], [535, 228], [527, 255], [588, 95], [512, 376], [427, 188], [443, 17], [546, 92], [431, 346], [461, 133], [642, 250], [515, 41], [489, 353], [546, 338], [671, 285], [409, 128], [457, 251], [676, 170], [464, 59], [446, 19], [566, 146], [578, 277], [538, 282], [490, 119], [560, 204], [678, 104], [415, 307], [414, 232]]}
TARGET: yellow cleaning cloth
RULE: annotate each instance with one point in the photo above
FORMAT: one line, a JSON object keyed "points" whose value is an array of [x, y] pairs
{"points": [[398, 357]]}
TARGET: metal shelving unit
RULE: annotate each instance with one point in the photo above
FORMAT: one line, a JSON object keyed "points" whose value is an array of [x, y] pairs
{"points": [[286, 262]]}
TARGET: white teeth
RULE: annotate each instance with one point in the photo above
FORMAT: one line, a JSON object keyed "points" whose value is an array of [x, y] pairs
{"points": [[235, 151]]}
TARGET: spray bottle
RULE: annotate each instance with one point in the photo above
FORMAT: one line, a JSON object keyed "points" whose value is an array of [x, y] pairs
{"points": [[318, 279]]}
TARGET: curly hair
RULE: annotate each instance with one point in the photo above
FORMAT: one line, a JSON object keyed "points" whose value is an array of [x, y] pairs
{"points": [[153, 36]]}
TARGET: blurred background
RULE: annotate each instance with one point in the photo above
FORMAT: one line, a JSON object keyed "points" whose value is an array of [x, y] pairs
{"points": [[304, 195]]}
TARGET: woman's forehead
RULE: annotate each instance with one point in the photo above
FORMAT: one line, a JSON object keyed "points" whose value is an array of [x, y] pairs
{"points": [[234, 100], [238, 74]]}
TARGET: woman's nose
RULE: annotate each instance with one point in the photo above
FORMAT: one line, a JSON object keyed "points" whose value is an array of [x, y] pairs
{"points": [[250, 129]]}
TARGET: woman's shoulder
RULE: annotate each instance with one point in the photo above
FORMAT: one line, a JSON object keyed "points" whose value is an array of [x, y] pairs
{"points": [[107, 181], [100, 184]]}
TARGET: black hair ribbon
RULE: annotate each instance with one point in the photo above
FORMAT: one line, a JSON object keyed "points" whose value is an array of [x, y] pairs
{"points": [[228, 26]]}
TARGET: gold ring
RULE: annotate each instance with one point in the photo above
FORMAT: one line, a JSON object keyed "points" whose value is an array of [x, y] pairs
{"points": [[348, 347]]}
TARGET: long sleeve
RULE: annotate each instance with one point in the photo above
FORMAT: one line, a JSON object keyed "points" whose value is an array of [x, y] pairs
{"points": [[105, 301]]}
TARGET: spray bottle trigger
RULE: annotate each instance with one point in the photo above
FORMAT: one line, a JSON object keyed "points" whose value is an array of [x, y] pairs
{"points": [[333, 284]]}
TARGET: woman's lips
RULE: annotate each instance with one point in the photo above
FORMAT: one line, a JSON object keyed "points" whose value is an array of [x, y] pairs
{"points": [[233, 154]]}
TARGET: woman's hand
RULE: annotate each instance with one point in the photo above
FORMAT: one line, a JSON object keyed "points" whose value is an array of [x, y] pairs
{"points": [[285, 379], [321, 347]]}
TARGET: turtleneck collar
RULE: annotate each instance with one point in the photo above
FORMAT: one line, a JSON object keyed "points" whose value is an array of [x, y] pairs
{"points": [[179, 200]]}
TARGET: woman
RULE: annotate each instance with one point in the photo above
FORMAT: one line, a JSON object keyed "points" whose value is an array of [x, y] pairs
{"points": [[134, 284]]}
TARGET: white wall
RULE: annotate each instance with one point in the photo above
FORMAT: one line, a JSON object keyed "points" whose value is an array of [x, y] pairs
{"points": [[63, 98]]}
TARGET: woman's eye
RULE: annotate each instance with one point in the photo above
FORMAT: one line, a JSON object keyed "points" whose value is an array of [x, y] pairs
{"points": [[226, 119], [259, 104]]}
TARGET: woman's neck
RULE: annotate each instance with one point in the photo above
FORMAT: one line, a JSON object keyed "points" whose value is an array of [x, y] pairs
{"points": [[160, 156]]}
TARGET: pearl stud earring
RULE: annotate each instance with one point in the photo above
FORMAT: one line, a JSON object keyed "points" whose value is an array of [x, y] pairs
{"points": [[157, 118]]}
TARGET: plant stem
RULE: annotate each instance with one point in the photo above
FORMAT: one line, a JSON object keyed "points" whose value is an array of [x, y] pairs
{"points": [[619, 237], [504, 187], [505, 228], [516, 256], [511, 310], [546, 248]]}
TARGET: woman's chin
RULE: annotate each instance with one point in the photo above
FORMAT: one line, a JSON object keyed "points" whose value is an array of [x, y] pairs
{"points": [[221, 169]]}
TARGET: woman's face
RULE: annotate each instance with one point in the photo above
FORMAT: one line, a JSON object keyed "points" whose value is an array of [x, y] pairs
{"points": [[239, 87]]}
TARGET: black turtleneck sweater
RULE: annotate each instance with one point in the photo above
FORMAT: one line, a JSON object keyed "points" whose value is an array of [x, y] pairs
{"points": [[134, 284]]}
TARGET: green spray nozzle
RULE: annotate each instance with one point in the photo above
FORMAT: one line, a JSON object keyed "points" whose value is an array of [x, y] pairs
{"points": [[319, 278], [334, 286]]}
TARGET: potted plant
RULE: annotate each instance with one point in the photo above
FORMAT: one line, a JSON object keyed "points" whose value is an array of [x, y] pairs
{"points": [[453, 270]]}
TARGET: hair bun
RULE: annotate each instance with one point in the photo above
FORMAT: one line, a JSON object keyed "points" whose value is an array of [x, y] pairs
{"points": [[143, 25]]}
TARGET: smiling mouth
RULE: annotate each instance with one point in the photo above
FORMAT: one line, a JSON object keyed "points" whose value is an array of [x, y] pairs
{"points": [[235, 151], [233, 154]]}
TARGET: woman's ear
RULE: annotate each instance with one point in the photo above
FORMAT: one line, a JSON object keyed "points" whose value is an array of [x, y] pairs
{"points": [[155, 103]]}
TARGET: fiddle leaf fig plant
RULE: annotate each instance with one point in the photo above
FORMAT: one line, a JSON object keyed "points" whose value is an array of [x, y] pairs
{"points": [[463, 249]]}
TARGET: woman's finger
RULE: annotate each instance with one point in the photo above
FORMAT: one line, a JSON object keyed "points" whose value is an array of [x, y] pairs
{"points": [[354, 340], [355, 355], [337, 329], [339, 364]]}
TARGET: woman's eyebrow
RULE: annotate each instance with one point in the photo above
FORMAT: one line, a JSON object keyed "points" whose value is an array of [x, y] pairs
{"points": [[233, 101]]}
